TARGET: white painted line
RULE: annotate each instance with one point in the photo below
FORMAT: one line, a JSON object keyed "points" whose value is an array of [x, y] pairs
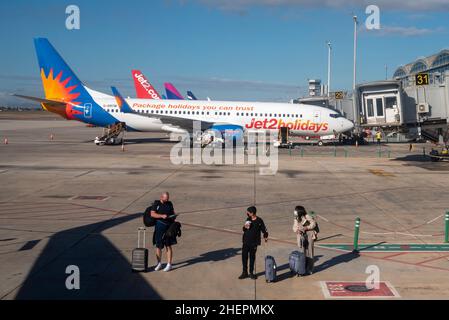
{"points": [[321, 217], [429, 222]]}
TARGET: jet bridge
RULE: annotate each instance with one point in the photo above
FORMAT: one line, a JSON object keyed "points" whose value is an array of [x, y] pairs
{"points": [[412, 112]]}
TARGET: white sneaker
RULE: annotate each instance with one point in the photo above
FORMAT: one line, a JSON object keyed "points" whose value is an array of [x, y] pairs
{"points": [[167, 267], [158, 267]]}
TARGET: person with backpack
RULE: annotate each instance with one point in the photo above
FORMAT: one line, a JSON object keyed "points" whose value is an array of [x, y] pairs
{"points": [[252, 229], [306, 229], [163, 212]]}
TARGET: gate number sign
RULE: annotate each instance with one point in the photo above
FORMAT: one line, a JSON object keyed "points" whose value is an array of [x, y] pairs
{"points": [[422, 79]]}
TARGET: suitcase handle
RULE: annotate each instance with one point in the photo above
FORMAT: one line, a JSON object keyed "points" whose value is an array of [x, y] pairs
{"points": [[139, 230]]}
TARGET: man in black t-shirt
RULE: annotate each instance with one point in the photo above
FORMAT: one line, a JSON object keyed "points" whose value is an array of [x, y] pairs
{"points": [[252, 229], [162, 210]]}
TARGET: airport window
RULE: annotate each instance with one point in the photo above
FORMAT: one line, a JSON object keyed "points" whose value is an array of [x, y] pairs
{"points": [[380, 107], [370, 107], [390, 102]]}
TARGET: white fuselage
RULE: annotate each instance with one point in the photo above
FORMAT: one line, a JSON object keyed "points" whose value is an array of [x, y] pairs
{"points": [[302, 119]]}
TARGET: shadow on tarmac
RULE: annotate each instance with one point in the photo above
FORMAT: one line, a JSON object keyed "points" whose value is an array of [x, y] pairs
{"points": [[148, 140], [212, 256], [343, 258], [105, 273]]}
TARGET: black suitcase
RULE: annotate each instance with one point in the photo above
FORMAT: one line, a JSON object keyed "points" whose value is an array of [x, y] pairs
{"points": [[139, 260]]}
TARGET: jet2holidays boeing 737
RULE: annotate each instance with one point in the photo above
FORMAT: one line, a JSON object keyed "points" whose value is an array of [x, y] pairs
{"points": [[66, 95]]}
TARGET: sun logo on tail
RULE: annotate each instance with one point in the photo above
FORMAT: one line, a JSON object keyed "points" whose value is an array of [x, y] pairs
{"points": [[56, 88]]}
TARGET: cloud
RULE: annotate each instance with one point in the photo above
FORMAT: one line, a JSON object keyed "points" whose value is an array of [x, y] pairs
{"points": [[407, 5], [402, 31]]}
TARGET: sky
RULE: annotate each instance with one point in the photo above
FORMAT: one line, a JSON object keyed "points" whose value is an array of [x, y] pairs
{"points": [[259, 50]]}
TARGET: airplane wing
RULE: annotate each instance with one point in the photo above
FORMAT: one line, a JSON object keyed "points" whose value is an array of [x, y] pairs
{"points": [[55, 106], [53, 103], [183, 123]]}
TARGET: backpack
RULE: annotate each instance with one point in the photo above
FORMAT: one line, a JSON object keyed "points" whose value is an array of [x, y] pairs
{"points": [[148, 220], [174, 230]]}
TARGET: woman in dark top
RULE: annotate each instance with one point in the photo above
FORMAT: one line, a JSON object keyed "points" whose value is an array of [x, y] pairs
{"points": [[161, 211]]}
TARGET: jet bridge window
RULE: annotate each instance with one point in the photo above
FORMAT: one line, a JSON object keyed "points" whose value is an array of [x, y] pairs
{"points": [[370, 107], [390, 102], [380, 107]]}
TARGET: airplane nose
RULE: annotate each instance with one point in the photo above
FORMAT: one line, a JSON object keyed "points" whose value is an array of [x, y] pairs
{"points": [[347, 125]]}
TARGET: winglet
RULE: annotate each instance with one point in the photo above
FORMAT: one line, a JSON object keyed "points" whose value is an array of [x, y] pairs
{"points": [[122, 104]]}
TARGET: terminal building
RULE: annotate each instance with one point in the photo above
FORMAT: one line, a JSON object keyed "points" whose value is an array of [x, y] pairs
{"points": [[412, 105]]}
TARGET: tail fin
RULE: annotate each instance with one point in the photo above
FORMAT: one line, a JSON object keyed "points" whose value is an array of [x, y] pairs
{"points": [[59, 81], [121, 102], [191, 96], [144, 89], [171, 91]]}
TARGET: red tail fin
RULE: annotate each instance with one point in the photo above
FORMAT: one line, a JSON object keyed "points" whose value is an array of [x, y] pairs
{"points": [[144, 89]]}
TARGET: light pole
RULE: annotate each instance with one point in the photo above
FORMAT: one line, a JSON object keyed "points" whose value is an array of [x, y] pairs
{"points": [[356, 116], [329, 68]]}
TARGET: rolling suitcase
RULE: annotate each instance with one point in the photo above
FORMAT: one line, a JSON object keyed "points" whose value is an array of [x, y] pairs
{"points": [[297, 263], [139, 261], [270, 269]]}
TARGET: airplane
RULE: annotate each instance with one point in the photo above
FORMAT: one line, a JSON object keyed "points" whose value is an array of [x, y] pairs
{"points": [[172, 92], [191, 96], [144, 89], [66, 95]]}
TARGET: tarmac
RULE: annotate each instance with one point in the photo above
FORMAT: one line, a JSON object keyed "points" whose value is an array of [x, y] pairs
{"points": [[65, 201]]}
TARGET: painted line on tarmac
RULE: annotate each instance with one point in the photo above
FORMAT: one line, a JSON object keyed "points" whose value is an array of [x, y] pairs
{"points": [[395, 255], [433, 259]]}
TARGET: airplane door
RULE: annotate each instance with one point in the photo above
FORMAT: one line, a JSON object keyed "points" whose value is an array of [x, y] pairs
{"points": [[88, 110], [317, 116]]}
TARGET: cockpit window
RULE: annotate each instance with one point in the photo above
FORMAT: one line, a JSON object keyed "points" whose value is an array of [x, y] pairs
{"points": [[335, 115]]}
